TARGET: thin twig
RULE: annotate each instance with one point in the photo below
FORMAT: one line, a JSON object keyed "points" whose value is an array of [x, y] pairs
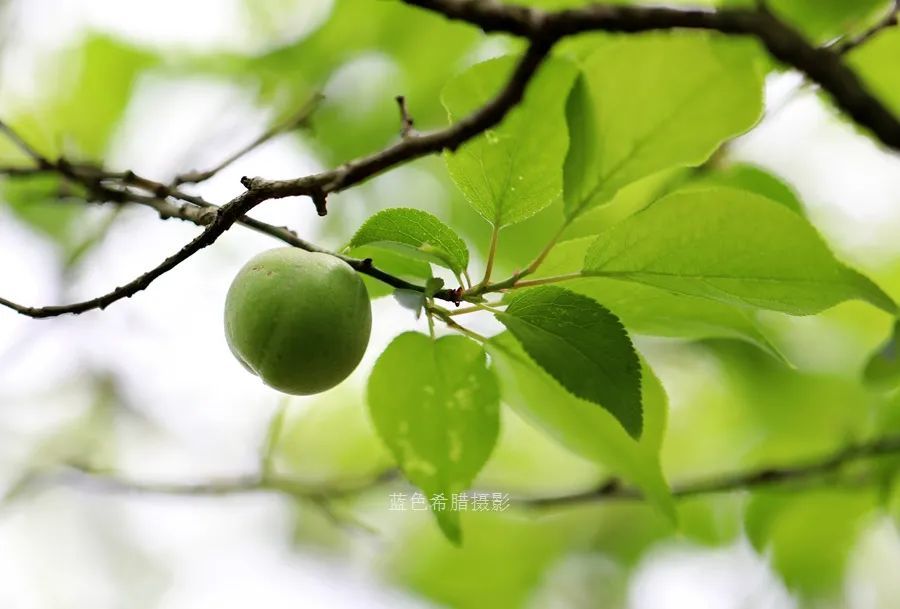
{"points": [[609, 490], [888, 21], [543, 29], [783, 42], [407, 124], [300, 119], [318, 186], [491, 255], [39, 160], [444, 316], [757, 478], [529, 283]]}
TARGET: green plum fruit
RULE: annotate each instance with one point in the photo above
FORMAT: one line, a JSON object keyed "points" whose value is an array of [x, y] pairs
{"points": [[298, 320]]}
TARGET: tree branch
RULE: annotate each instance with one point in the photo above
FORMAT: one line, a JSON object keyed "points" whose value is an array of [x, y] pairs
{"points": [[611, 490], [821, 65], [300, 119], [770, 476], [543, 29], [318, 186], [419, 144]]}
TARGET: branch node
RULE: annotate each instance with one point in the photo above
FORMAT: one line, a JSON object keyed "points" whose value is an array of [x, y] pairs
{"points": [[208, 215], [320, 200], [457, 296], [407, 124]]}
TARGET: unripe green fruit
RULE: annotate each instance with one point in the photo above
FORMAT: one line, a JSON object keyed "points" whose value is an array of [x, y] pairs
{"points": [[298, 320]]}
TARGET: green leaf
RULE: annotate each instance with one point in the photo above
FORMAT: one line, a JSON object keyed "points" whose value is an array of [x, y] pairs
{"points": [[734, 247], [326, 440], [414, 233], [876, 63], [412, 300], [809, 536], [515, 170], [647, 103], [92, 92], [652, 311], [390, 261], [498, 566], [36, 200], [752, 179], [588, 431], [824, 20], [883, 368], [583, 346], [435, 403]]}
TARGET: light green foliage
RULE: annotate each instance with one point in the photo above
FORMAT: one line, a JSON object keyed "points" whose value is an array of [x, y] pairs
{"points": [[653, 311], [730, 246], [359, 67], [89, 99], [513, 171], [588, 431], [303, 446], [883, 368], [824, 20], [526, 461], [620, 155], [388, 35], [647, 103], [414, 233], [435, 404], [752, 179], [500, 565], [627, 202], [876, 62], [77, 117], [583, 346], [35, 200], [808, 535]]}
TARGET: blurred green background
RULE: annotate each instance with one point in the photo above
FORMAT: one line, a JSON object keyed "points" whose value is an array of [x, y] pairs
{"points": [[147, 389]]}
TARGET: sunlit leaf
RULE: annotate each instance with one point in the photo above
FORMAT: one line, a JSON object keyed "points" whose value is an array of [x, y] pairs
{"points": [[647, 103], [808, 535], [730, 246], [515, 170], [435, 404], [414, 233], [653, 311], [876, 63]]}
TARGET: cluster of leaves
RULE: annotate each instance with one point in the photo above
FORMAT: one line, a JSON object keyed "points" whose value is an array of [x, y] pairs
{"points": [[606, 186], [699, 261]]}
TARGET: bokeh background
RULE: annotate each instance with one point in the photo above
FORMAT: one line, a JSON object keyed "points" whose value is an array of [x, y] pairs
{"points": [[148, 389]]}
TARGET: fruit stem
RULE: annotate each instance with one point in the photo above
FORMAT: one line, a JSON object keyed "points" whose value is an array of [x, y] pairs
{"points": [[492, 252], [444, 315], [546, 280]]}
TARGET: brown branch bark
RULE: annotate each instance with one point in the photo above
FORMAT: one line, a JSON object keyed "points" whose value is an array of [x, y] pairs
{"points": [[318, 186], [543, 29], [823, 66]]}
